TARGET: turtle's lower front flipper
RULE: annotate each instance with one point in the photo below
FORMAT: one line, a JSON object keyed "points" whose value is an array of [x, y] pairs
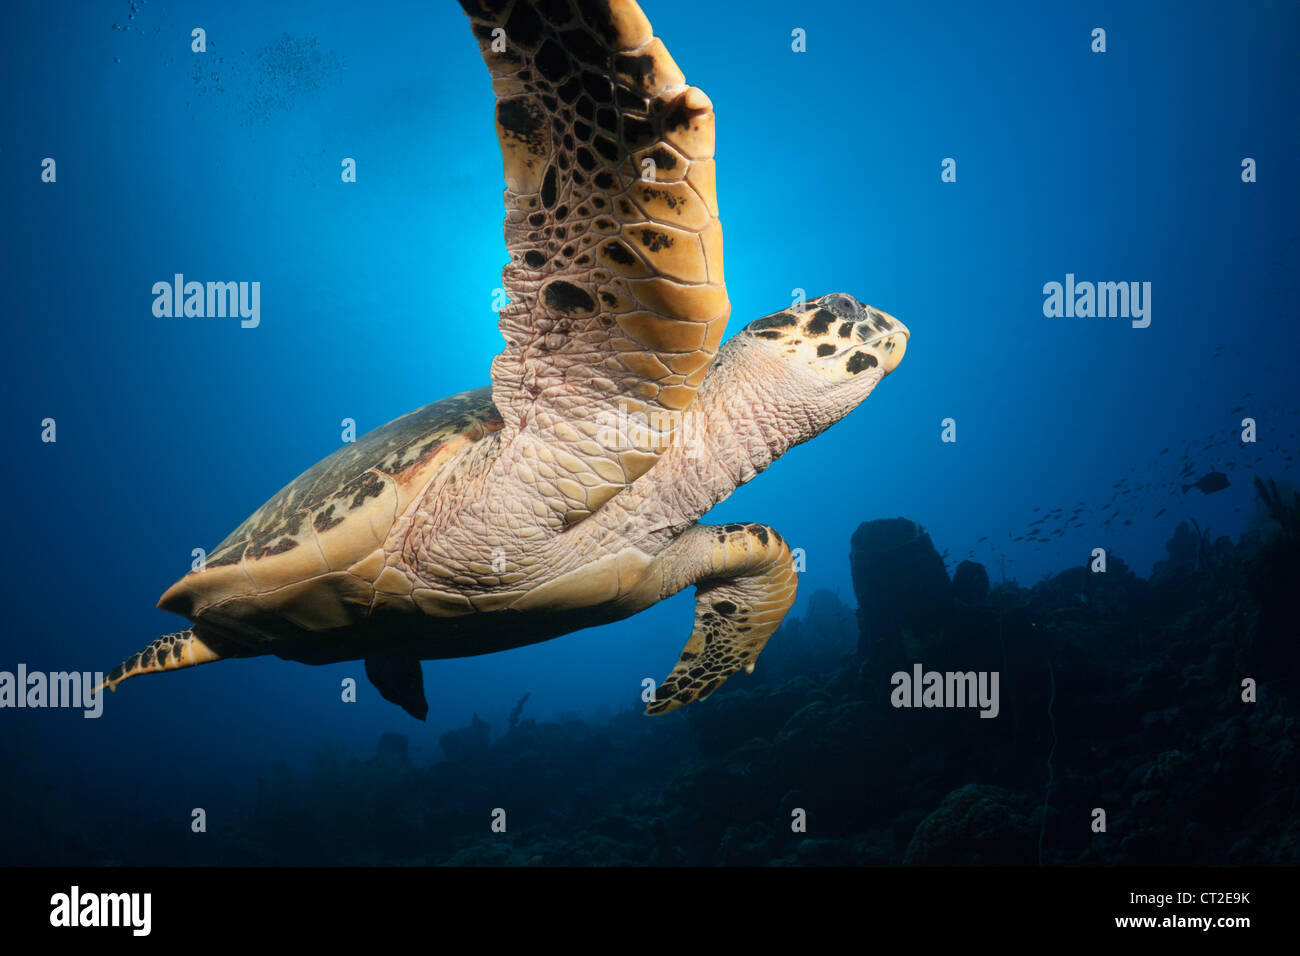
{"points": [[745, 583]]}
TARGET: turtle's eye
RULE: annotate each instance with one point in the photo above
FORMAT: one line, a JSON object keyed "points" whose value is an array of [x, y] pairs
{"points": [[842, 305]]}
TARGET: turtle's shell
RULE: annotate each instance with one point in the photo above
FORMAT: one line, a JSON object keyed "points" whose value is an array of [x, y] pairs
{"points": [[312, 554]]}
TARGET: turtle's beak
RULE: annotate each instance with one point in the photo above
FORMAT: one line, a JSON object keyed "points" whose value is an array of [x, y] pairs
{"points": [[884, 336]]}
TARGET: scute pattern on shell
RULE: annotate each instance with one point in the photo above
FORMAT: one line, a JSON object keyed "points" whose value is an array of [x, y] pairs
{"points": [[340, 486]]}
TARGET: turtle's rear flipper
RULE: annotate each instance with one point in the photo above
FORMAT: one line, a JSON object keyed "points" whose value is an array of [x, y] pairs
{"points": [[745, 583], [401, 681], [172, 652]]}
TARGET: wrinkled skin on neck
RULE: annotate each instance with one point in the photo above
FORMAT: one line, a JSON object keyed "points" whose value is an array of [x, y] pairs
{"points": [[754, 406]]}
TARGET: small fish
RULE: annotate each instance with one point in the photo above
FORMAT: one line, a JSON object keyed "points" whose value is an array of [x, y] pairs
{"points": [[1161, 511], [985, 538], [1238, 409], [1209, 483], [1164, 451]]}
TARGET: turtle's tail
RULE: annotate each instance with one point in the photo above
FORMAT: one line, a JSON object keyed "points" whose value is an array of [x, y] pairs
{"points": [[171, 652]]}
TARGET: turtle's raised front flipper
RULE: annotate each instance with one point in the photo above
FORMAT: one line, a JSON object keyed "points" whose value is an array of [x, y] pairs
{"points": [[745, 583], [617, 302], [400, 680], [172, 652]]}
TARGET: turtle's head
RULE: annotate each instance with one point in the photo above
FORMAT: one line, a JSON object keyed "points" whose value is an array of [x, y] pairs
{"points": [[780, 381], [836, 336], [795, 373], [817, 364]]}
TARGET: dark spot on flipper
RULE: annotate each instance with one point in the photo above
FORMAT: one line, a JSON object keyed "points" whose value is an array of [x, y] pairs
{"points": [[655, 241], [549, 188], [860, 362], [534, 258], [724, 607], [484, 9], [846, 329], [662, 158], [768, 334], [600, 89], [597, 15], [639, 68], [519, 116], [637, 132], [759, 532], [567, 298], [630, 101], [824, 350], [615, 251], [581, 43], [524, 27], [558, 12], [607, 148], [551, 61]]}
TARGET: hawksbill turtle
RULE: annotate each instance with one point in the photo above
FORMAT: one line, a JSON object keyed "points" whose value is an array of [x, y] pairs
{"points": [[569, 493]]}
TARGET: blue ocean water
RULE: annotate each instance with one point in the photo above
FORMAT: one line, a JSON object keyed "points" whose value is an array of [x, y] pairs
{"points": [[376, 298]]}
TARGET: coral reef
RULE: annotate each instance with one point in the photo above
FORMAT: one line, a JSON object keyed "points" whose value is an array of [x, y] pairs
{"points": [[1117, 694]]}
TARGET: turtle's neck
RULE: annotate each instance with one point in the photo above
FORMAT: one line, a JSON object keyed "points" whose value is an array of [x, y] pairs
{"points": [[743, 418]]}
